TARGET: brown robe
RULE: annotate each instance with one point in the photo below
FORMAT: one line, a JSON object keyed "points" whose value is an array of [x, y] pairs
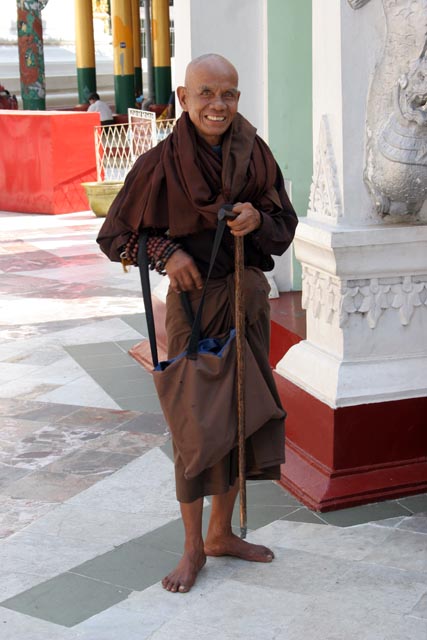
{"points": [[265, 448], [179, 187]]}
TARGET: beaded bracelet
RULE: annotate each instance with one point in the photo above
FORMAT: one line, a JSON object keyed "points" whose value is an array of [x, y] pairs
{"points": [[129, 253], [159, 250], [160, 264]]}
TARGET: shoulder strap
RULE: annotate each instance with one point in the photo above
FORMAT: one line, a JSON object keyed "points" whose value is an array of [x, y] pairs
{"points": [[142, 259], [224, 213]]}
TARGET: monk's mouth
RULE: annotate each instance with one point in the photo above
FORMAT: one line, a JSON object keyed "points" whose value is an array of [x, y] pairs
{"points": [[215, 118]]}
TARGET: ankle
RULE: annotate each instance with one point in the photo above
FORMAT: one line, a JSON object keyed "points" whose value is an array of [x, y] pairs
{"points": [[194, 546], [219, 533]]}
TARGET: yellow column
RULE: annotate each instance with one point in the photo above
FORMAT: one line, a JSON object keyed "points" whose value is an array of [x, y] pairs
{"points": [[161, 50], [124, 78], [85, 49], [136, 32]]}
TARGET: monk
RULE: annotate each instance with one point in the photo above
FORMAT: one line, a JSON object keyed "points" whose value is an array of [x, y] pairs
{"points": [[175, 190]]}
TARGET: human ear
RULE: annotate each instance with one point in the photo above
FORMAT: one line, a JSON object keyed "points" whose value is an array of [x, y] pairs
{"points": [[182, 97]]}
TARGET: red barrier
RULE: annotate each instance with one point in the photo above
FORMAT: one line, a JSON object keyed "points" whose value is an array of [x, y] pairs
{"points": [[44, 158]]}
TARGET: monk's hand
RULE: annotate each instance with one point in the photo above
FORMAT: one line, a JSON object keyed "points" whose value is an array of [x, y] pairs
{"points": [[248, 219], [183, 273]]}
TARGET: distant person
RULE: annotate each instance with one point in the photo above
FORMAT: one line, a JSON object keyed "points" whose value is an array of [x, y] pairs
{"points": [[171, 106], [7, 101], [96, 104], [169, 111], [144, 103]]}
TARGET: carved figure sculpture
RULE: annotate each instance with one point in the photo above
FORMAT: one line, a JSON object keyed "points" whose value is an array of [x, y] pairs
{"points": [[396, 154]]}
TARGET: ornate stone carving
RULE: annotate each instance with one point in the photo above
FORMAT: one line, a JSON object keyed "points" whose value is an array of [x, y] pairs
{"points": [[334, 300], [321, 294], [396, 158], [357, 4], [325, 197]]}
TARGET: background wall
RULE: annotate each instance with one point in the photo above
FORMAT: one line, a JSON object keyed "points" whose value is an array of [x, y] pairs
{"points": [[290, 98], [235, 29]]}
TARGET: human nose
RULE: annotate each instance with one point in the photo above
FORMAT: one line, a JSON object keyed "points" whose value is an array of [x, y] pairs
{"points": [[218, 102]]}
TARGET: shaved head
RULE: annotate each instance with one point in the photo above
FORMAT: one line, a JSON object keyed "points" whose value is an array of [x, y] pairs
{"points": [[211, 61], [210, 95]]}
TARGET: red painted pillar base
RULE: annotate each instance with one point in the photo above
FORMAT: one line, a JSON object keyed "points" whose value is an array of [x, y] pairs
{"points": [[348, 456]]}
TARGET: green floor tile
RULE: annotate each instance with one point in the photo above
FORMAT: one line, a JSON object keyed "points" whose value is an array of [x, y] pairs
{"points": [[125, 388], [416, 504], [102, 362], [260, 515], [303, 515], [133, 566], [366, 513], [93, 349], [148, 404], [269, 493], [67, 599], [170, 538], [137, 321], [109, 377], [145, 388], [125, 345]]}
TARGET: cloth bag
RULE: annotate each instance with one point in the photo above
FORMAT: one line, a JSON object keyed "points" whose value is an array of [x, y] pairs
{"points": [[197, 389]]}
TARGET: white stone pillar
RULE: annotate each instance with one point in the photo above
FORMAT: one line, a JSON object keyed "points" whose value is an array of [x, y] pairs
{"points": [[364, 270], [364, 275]]}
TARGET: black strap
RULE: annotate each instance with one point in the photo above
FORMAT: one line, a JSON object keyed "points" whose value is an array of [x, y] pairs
{"points": [[146, 294], [224, 213]]}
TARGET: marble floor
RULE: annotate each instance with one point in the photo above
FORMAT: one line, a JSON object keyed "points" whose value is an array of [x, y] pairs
{"points": [[88, 519]]}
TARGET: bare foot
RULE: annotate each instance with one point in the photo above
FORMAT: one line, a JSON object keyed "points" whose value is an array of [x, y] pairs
{"points": [[232, 545], [185, 573]]}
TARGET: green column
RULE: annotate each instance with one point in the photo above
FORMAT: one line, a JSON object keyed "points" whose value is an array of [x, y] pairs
{"points": [[290, 98], [85, 49], [31, 56], [124, 76], [161, 50]]}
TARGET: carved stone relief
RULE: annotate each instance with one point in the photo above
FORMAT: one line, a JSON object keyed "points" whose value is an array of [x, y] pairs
{"points": [[335, 300], [325, 197], [396, 156]]}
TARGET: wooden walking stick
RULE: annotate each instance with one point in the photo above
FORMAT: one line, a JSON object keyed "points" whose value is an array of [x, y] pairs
{"points": [[240, 349], [226, 212]]}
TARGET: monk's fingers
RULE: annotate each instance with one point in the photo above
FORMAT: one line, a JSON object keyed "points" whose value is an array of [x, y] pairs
{"points": [[178, 262], [190, 280], [248, 219], [186, 279], [196, 278], [182, 271], [245, 227]]}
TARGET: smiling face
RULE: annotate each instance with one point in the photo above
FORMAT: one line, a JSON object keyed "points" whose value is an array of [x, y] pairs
{"points": [[210, 96]]}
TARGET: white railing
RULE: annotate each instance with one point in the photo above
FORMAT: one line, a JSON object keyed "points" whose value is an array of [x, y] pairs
{"points": [[117, 146]]}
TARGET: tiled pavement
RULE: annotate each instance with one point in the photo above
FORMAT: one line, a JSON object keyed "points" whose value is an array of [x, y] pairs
{"points": [[88, 519]]}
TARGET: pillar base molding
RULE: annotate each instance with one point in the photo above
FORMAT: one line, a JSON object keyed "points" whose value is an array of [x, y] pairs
{"points": [[341, 383], [337, 458], [321, 491]]}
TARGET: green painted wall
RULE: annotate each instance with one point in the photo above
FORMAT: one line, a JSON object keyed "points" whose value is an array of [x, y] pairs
{"points": [[290, 98]]}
